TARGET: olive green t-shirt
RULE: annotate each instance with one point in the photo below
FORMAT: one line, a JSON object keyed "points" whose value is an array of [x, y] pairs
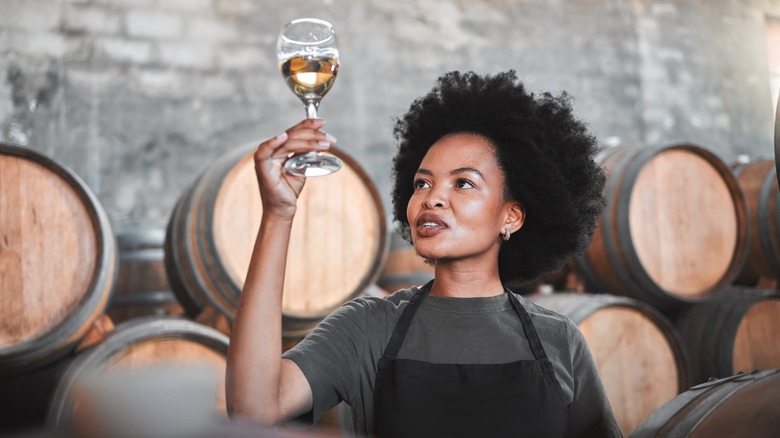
{"points": [[339, 358]]}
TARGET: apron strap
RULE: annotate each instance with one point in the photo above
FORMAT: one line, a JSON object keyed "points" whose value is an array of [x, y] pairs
{"points": [[535, 342], [404, 321], [528, 328]]}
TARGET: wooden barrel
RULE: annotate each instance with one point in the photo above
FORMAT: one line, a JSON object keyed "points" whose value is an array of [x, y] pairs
{"points": [[142, 287], [744, 405], [638, 353], [674, 229], [735, 331], [759, 183], [57, 259], [337, 248], [138, 344], [404, 268]]}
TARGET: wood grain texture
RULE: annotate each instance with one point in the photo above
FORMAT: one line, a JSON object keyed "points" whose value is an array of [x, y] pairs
{"points": [[635, 362], [48, 252], [683, 223], [57, 259], [334, 239]]}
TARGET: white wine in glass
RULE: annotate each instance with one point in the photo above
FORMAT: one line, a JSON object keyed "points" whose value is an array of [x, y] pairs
{"points": [[309, 61]]}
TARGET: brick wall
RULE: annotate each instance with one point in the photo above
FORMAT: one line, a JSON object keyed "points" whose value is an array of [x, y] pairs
{"points": [[137, 96]]}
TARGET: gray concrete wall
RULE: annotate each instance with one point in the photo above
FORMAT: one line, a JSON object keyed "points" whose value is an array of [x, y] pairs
{"points": [[138, 96]]}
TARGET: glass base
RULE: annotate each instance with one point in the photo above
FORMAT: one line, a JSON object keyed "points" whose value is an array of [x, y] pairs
{"points": [[312, 164]]}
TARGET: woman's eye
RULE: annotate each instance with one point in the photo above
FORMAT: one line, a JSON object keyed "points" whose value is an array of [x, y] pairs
{"points": [[463, 183], [420, 184]]}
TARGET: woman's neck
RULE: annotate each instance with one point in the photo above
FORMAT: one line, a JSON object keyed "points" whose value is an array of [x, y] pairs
{"points": [[468, 280]]}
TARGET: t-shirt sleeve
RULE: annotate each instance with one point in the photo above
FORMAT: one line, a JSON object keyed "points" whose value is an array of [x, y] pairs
{"points": [[330, 354], [590, 414]]}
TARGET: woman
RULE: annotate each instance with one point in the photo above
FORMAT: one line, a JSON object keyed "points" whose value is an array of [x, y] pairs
{"points": [[493, 186]]}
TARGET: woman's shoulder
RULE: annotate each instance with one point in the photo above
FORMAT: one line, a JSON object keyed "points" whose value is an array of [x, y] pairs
{"points": [[548, 322], [379, 298], [536, 310], [371, 315], [376, 301]]}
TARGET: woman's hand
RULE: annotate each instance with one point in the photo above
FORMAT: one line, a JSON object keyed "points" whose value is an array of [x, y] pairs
{"points": [[278, 189]]}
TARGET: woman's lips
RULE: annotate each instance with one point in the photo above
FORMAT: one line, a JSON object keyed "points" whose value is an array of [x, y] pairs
{"points": [[424, 231], [429, 225]]}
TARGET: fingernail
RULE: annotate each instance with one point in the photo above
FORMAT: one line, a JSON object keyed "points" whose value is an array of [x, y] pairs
{"points": [[330, 138], [282, 136], [323, 144], [319, 121]]}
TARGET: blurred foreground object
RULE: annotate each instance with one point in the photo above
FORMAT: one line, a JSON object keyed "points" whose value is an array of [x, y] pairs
{"points": [[137, 345], [161, 401]]}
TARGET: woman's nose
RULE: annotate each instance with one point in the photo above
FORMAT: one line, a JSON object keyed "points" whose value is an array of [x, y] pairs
{"points": [[435, 200]]}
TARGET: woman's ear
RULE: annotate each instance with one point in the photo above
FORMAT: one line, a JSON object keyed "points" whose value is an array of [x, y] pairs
{"points": [[515, 217]]}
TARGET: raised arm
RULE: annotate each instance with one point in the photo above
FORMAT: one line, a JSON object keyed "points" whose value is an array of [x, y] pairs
{"points": [[260, 384]]}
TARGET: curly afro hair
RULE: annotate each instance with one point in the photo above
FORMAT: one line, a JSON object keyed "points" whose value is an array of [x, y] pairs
{"points": [[546, 154]]}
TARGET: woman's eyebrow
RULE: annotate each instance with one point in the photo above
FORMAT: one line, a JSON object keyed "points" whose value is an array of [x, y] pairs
{"points": [[467, 169], [454, 172]]}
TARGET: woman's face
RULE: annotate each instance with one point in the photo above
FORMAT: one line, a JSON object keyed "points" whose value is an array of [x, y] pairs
{"points": [[458, 210]]}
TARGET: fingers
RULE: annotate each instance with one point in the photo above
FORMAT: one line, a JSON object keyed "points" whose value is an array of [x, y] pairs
{"points": [[303, 137], [306, 136], [310, 123]]}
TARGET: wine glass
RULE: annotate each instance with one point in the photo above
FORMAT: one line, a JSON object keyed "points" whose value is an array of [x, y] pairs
{"points": [[309, 61]]}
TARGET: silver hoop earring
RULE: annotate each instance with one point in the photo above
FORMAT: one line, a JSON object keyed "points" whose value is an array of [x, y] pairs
{"points": [[507, 234]]}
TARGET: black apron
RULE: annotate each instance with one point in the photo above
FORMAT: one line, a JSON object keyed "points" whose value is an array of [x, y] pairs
{"points": [[420, 399]]}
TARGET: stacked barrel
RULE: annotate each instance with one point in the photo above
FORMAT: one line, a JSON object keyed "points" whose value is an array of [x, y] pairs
{"points": [[66, 278], [654, 294], [678, 230], [59, 265], [660, 314]]}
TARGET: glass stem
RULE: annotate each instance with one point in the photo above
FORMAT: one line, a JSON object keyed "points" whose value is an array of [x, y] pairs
{"points": [[311, 109]]}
